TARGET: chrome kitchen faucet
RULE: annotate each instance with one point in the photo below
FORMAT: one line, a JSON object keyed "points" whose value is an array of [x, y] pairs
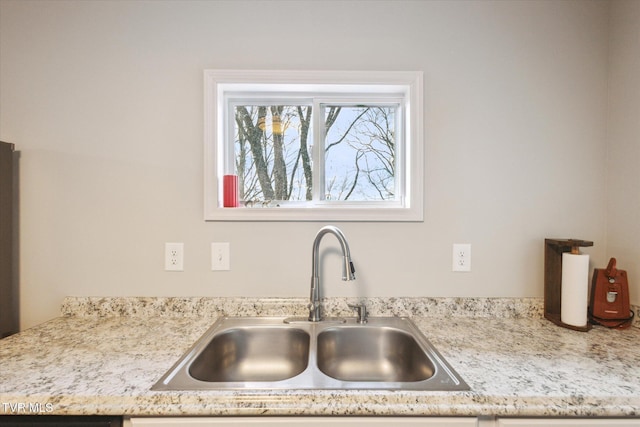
{"points": [[348, 271]]}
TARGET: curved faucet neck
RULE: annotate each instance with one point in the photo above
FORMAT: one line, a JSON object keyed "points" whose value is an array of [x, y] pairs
{"points": [[348, 271], [346, 253]]}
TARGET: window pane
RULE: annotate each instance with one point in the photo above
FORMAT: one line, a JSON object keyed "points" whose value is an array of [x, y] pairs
{"points": [[272, 155], [360, 152]]}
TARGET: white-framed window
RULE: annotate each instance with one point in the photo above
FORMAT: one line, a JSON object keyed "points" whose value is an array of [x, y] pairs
{"points": [[314, 145]]}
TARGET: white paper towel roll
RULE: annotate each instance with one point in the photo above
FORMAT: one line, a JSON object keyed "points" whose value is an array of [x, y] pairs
{"points": [[575, 285]]}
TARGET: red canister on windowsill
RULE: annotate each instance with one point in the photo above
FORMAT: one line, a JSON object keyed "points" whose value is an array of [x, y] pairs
{"points": [[230, 191]]}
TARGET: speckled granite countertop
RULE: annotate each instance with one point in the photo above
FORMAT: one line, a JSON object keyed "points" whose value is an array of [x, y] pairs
{"points": [[103, 355]]}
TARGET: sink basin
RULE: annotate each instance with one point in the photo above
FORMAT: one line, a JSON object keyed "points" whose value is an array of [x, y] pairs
{"points": [[278, 353], [252, 354], [362, 353]]}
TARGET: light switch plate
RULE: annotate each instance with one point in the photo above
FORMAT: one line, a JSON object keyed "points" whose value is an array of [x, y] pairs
{"points": [[220, 256]]}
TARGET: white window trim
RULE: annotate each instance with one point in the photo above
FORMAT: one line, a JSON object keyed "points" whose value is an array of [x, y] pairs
{"points": [[219, 82]]}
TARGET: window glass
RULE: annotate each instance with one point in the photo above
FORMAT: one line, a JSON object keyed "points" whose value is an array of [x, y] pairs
{"points": [[360, 153], [272, 158]]}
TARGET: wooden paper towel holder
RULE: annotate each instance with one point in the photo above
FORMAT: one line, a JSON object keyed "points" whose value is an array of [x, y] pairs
{"points": [[553, 250]]}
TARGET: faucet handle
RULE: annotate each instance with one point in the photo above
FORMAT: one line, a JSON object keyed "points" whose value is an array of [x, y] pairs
{"points": [[314, 312], [361, 309]]}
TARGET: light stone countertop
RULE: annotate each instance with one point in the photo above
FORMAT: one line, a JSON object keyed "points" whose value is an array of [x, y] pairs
{"points": [[102, 356]]}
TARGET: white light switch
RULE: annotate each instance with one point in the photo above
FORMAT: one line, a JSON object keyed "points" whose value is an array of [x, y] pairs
{"points": [[220, 256]]}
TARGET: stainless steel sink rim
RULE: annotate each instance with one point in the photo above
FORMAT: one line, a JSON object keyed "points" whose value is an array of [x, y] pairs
{"points": [[444, 378]]}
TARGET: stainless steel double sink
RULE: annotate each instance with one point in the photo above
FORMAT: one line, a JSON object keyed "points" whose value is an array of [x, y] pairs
{"points": [[293, 353]]}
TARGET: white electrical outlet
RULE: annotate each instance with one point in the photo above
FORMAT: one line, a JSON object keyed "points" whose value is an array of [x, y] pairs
{"points": [[220, 256], [174, 256], [461, 257]]}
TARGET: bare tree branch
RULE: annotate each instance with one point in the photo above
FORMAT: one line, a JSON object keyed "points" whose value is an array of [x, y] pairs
{"points": [[254, 136], [346, 132], [305, 122]]}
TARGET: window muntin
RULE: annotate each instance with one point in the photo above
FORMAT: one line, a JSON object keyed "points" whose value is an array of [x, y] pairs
{"points": [[288, 108]]}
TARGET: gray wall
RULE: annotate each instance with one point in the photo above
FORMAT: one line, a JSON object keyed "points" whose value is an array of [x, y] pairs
{"points": [[623, 177], [105, 102]]}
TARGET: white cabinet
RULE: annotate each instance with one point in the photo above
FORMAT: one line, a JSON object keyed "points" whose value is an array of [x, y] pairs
{"points": [[569, 422], [301, 422], [378, 422]]}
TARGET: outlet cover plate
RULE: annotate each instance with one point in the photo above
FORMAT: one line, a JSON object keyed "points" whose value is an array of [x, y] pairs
{"points": [[461, 257], [174, 256]]}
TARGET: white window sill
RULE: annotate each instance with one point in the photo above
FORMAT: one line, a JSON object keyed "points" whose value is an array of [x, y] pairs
{"points": [[258, 213]]}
